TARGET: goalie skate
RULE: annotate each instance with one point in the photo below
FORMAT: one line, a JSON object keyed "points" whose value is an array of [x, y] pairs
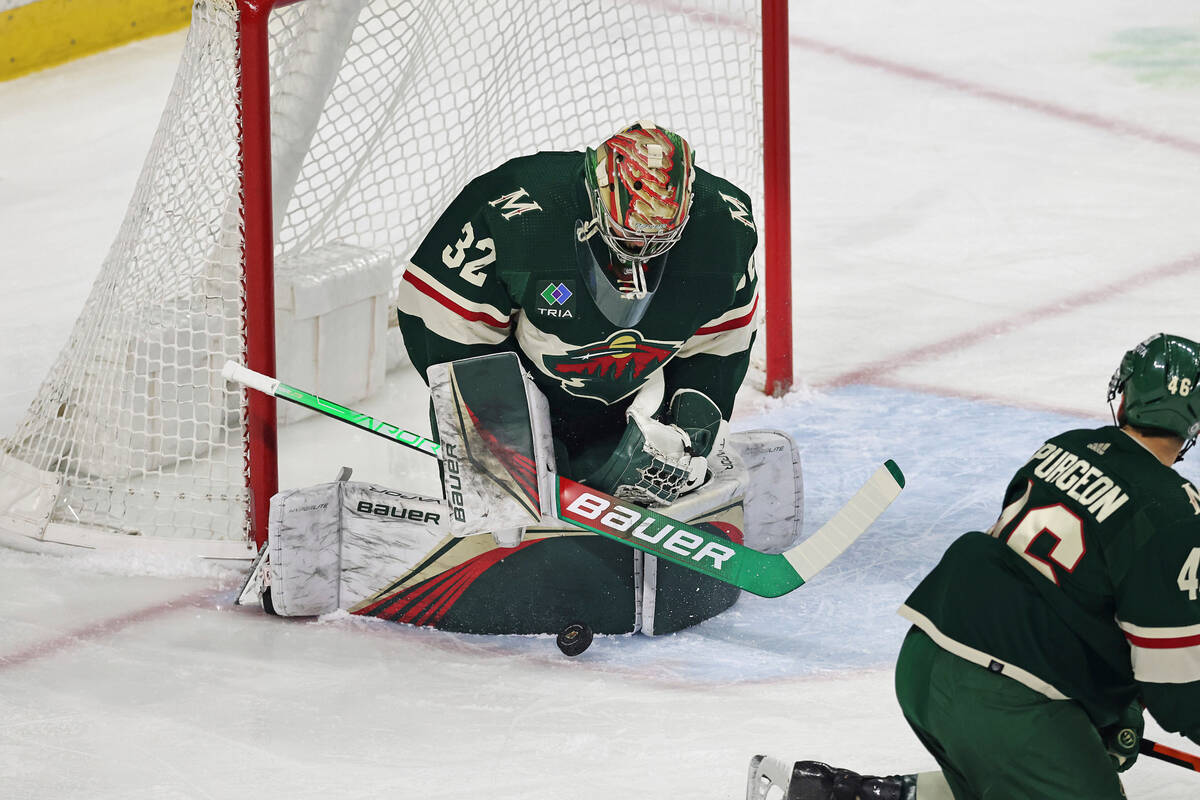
{"points": [[257, 581]]}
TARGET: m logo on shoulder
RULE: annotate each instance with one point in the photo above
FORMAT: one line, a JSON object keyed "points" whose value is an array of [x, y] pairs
{"points": [[1099, 448], [510, 205], [1193, 497], [738, 210]]}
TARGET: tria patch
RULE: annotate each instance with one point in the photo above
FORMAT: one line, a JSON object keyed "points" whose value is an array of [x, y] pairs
{"points": [[610, 369], [557, 299], [1099, 447]]}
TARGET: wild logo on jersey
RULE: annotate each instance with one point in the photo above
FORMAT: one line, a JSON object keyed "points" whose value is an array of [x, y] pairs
{"points": [[610, 369]]}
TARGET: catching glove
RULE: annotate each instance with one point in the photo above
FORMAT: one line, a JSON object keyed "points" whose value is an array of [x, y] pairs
{"points": [[1123, 737], [656, 462], [698, 416]]}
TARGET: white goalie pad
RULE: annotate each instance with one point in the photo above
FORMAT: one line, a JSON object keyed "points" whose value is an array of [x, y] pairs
{"points": [[333, 545], [497, 450], [774, 504], [764, 466]]}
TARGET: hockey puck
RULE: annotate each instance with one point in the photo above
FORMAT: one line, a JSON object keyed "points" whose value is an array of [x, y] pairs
{"points": [[574, 639], [267, 605]]}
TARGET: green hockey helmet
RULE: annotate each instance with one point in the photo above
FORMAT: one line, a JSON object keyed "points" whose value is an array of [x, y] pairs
{"points": [[1160, 381], [639, 184]]}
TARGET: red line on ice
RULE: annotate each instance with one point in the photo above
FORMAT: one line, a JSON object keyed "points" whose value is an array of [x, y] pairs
{"points": [[978, 90], [875, 372], [1046, 108], [101, 629]]}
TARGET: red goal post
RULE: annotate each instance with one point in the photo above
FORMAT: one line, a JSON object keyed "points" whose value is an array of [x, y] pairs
{"points": [[299, 129]]}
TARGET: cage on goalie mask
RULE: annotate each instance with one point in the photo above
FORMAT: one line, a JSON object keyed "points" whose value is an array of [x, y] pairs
{"points": [[639, 184]]}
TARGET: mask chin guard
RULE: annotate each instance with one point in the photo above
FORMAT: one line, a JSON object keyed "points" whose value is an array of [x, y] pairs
{"points": [[620, 306]]}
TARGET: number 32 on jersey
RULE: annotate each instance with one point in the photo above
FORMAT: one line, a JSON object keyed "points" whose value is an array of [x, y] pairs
{"points": [[483, 251]]}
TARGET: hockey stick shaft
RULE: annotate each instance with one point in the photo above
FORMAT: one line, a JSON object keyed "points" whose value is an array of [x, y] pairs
{"points": [[235, 372], [764, 574], [1169, 754]]}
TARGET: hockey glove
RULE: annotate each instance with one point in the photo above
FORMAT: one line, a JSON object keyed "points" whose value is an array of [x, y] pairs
{"points": [[652, 464], [1123, 737], [698, 416]]}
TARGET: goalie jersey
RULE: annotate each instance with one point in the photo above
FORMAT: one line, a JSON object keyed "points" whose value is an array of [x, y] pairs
{"points": [[1086, 587], [499, 271]]}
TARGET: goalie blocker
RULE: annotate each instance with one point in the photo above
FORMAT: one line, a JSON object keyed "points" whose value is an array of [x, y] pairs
{"points": [[403, 557]]}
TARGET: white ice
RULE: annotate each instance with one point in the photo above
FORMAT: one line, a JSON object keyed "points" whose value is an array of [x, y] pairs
{"points": [[992, 201]]}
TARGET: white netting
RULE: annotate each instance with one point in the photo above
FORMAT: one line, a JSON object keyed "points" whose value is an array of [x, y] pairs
{"points": [[483, 82], [133, 415], [380, 113]]}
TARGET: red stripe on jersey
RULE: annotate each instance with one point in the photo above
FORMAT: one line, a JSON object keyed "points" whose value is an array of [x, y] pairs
{"points": [[730, 324], [1164, 643], [471, 316]]}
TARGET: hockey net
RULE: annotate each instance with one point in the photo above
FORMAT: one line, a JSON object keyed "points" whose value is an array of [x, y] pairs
{"points": [[379, 113]]}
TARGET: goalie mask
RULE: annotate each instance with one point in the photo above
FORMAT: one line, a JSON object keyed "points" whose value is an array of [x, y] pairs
{"points": [[1159, 381], [639, 185]]}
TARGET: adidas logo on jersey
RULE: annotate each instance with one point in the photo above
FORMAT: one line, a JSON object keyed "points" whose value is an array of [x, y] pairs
{"points": [[1099, 448]]}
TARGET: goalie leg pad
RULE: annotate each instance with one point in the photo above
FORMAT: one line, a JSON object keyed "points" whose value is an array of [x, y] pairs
{"points": [[774, 491], [304, 551], [498, 452], [554, 577], [383, 553], [332, 545], [385, 534]]}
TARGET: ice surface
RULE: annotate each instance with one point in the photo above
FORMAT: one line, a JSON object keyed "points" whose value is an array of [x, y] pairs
{"points": [[992, 201]]}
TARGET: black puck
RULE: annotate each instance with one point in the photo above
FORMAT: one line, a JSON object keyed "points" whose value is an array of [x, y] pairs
{"points": [[267, 605], [574, 639]]}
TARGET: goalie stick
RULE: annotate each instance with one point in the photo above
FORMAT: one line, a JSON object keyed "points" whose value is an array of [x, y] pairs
{"points": [[763, 574]]}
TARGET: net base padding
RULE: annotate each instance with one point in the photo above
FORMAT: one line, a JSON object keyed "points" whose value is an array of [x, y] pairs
{"points": [[63, 539]]}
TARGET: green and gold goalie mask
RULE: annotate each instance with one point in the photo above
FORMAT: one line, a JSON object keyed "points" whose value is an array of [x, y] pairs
{"points": [[639, 183]]}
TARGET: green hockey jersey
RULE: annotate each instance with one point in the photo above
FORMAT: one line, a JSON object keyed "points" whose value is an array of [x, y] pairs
{"points": [[1087, 585], [500, 270]]}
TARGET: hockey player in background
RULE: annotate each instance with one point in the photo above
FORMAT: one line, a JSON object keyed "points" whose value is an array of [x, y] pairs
{"points": [[614, 273], [1036, 645]]}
